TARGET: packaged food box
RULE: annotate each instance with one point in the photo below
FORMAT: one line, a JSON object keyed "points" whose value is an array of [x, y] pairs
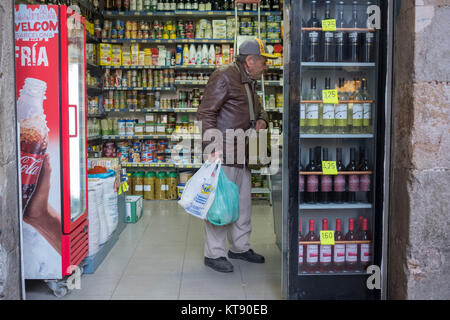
{"points": [[133, 209], [116, 55], [104, 54]]}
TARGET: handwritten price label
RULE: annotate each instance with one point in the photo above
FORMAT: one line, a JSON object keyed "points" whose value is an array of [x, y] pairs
{"points": [[330, 96], [327, 237], [329, 168], [329, 25]]}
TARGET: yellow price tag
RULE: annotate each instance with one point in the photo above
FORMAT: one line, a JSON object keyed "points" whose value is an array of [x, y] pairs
{"points": [[330, 96], [329, 25], [329, 168], [327, 237]]}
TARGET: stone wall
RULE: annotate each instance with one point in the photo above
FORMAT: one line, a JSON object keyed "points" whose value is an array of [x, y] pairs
{"points": [[10, 270], [419, 250]]}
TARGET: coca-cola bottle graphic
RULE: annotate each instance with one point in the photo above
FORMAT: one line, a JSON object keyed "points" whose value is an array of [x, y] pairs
{"points": [[33, 135]]}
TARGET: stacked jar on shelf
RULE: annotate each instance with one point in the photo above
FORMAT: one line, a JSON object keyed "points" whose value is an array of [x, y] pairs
{"points": [[154, 185]]}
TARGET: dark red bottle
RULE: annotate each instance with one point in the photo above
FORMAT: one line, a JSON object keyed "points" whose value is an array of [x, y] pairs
{"points": [[351, 249], [312, 250], [301, 261], [338, 249], [325, 252], [364, 249]]}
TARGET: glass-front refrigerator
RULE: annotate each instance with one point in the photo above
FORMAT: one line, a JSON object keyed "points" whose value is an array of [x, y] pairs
{"points": [[336, 148], [51, 112]]}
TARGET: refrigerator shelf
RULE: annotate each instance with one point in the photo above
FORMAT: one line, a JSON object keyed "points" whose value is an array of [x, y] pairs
{"points": [[338, 242], [336, 65], [336, 136], [184, 13], [335, 206], [319, 173]]}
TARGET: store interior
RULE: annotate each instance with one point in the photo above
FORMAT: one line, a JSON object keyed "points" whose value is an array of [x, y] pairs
{"points": [[146, 65]]}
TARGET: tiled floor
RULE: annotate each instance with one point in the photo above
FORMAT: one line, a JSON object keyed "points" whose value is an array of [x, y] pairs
{"points": [[161, 257]]}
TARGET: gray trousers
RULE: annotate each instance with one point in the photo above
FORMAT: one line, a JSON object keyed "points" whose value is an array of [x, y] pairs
{"points": [[238, 232]]}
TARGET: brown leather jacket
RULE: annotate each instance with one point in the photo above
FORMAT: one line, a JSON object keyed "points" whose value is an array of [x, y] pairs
{"points": [[225, 106]]}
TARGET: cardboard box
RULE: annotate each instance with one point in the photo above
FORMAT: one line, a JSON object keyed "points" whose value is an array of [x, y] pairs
{"points": [[104, 54], [126, 58], [116, 55], [133, 209]]}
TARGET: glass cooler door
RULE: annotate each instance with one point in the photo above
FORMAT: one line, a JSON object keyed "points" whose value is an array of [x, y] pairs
{"points": [[337, 105]]}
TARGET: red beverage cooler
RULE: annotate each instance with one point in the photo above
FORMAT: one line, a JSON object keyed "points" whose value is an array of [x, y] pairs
{"points": [[51, 112]]}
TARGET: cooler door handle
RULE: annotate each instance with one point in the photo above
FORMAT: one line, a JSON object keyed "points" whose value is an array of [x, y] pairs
{"points": [[73, 121]]}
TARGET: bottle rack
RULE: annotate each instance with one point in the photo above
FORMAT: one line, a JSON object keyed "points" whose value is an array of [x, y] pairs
{"points": [[133, 15]]}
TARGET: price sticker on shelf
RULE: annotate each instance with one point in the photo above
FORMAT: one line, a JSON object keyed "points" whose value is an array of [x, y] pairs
{"points": [[329, 25], [329, 168], [327, 237], [330, 96]]}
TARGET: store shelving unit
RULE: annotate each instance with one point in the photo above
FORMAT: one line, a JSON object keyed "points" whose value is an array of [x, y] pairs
{"points": [[188, 14]]}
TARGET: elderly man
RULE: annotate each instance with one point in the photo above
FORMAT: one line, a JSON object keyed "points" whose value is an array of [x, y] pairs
{"points": [[230, 92]]}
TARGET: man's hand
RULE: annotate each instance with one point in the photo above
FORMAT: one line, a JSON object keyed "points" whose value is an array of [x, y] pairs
{"points": [[260, 124], [214, 156]]}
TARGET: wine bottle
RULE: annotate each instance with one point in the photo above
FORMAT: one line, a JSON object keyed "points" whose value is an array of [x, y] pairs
{"points": [[302, 184], [187, 5], [327, 113], [300, 248], [364, 180], [312, 181], [312, 250], [328, 37], [351, 249], [339, 182], [354, 36], [302, 115], [338, 249], [313, 36], [364, 249], [367, 108], [326, 183], [318, 160], [353, 179], [312, 110], [341, 114], [369, 40], [357, 109], [340, 35], [276, 5], [325, 252]]}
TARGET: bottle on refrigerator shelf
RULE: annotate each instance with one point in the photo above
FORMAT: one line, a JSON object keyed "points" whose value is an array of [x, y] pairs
{"points": [[302, 114], [338, 249], [364, 248], [328, 36], [300, 248], [354, 35], [365, 180], [187, 5], [312, 110], [339, 182], [301, 185], [340, 35], [341, 112], [313, 36], [367, 108], [351, 249], [326, 183], [359, 226], [312, 250], [353, 179], [325, 252], [312, 181], [327, 113], [368, 40], [357, 109], [276, 5], [180, 5], [200, 6]]}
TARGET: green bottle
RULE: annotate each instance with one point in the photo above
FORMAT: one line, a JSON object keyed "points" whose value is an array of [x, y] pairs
{"points": [[327, 113], [312, 110], [341, 112], [358, 109]]}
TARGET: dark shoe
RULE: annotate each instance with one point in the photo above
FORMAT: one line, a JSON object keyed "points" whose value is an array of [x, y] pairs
{"points": [[220, 264], [249, 256]]}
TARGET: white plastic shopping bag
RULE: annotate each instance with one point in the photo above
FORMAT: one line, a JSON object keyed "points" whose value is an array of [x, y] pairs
{"points": [[198, 194]]}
